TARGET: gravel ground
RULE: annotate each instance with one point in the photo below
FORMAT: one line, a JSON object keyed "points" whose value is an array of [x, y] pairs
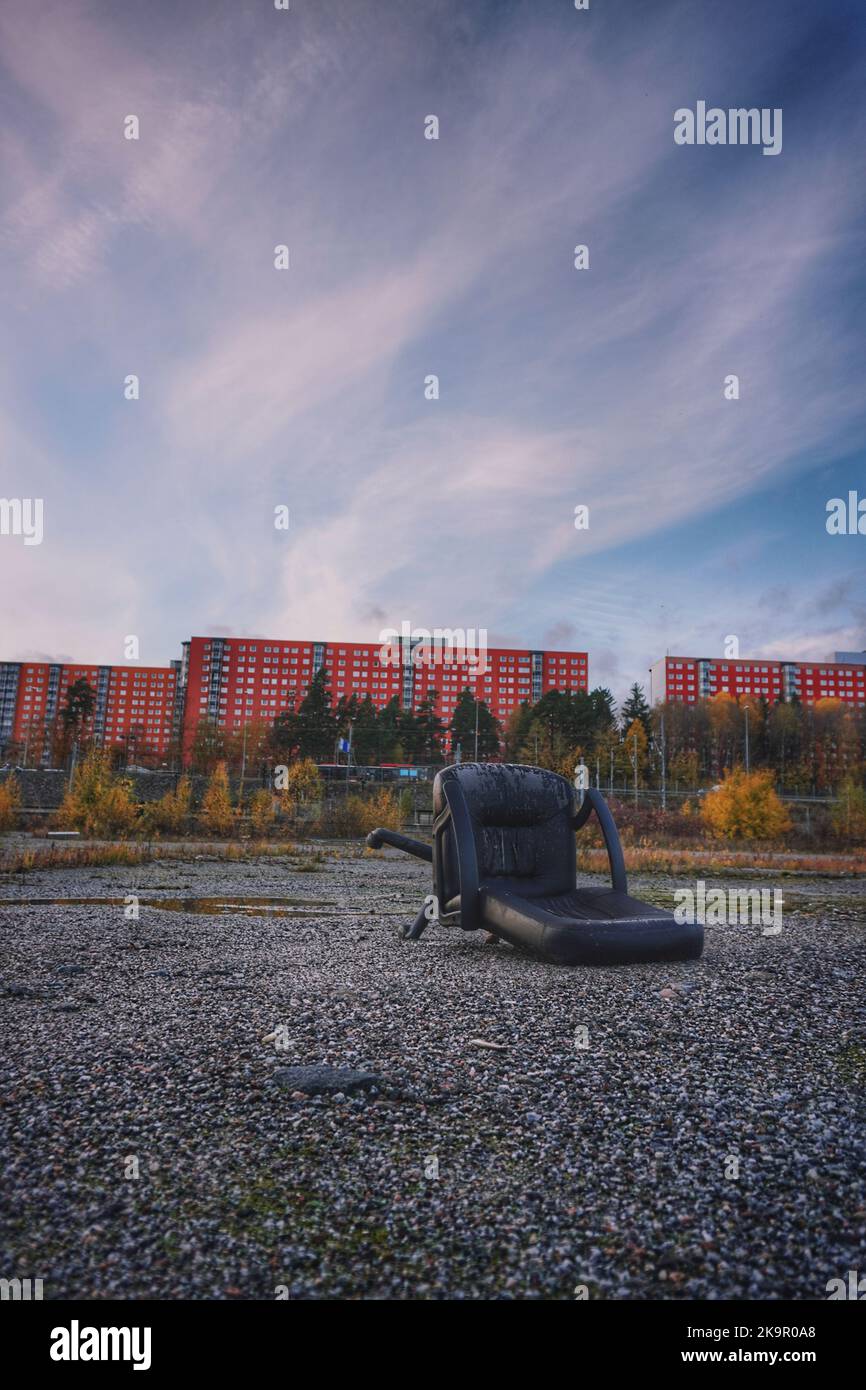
{"points": [[707, 1142]]}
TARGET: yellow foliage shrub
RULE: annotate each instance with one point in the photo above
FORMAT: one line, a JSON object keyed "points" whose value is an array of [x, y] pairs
{"points": [[261, 811], [99, 802], [170, 813], [10, 800], [745, 807], [217, 812]]}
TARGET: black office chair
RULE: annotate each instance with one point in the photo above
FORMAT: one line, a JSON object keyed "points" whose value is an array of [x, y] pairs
{"points": [[504, 859]]}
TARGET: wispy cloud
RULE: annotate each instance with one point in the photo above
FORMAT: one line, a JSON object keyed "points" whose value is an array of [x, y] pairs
{"points": [[411, 257]]}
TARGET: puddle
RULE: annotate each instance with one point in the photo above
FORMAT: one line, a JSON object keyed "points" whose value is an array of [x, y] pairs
{"points": [[217, 907], [210, 907]]}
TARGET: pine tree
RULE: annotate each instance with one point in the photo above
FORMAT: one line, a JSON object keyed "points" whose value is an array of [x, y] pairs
{"points": [[463, 725], [634, 708], [317, 722]]}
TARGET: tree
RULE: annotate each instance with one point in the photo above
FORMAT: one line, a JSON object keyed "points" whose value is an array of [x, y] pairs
{"points": [[248, 747], [611, 757], [726, 731], [471, 714], [603, 708], [517, 731], [365, 733], [636, 746], [635, 707], [209, 746], [98, 802], [261, 812], [317, 723], [10, 801], [217, 813], [784, 737], [303, 783], [390, 747], [77, 708], [849, 815], [430, 729], [683, 769], [171, 812]]}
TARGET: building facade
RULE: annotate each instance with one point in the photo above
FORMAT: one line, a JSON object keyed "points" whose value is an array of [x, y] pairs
{"points": [[688, 679], [232, 681], [135, 707]]}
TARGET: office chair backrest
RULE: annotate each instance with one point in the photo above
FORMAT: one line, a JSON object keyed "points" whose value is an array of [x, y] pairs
{"points": [[520, 819]]}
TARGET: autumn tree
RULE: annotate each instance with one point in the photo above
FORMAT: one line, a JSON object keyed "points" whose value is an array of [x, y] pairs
{"points": [[99, 802], [10, 801], [217, 812]]}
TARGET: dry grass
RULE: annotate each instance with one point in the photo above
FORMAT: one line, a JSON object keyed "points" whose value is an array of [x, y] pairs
{"points": [[126, 853], [644, 859]]}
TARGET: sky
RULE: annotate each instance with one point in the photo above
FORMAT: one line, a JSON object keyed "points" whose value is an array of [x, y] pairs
{"points": [[410, 257]]}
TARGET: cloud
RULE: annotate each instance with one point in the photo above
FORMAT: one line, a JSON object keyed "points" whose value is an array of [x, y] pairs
{"points": [[411, 257]]}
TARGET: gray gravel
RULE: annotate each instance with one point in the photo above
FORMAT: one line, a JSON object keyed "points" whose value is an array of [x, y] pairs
{"points": [[151, 1149]]}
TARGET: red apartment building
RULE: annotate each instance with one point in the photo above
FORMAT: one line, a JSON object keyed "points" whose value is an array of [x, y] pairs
{"points": [[688, 679], [135, 706], [232, 680]]}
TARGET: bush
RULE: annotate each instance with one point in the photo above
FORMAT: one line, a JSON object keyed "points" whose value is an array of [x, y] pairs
{"points": [[217, 812], [745, 807], [169, 815], [352, 817], [10, 800], [303, 783], [261, 812], [99, 802]]}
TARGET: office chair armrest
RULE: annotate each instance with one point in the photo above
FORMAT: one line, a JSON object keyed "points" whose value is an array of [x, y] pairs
{"points": [[594, 801], [377, 838]]}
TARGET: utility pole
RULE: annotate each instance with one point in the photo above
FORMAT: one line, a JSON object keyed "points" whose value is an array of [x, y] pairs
{"points": [[243, 761], [611, 772], [635, 770], [476, 729], [747, 737], [664, 766], [598, 774]]}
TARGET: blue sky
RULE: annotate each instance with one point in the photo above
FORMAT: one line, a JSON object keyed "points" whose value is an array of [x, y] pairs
{"points": [[410, 257]]}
